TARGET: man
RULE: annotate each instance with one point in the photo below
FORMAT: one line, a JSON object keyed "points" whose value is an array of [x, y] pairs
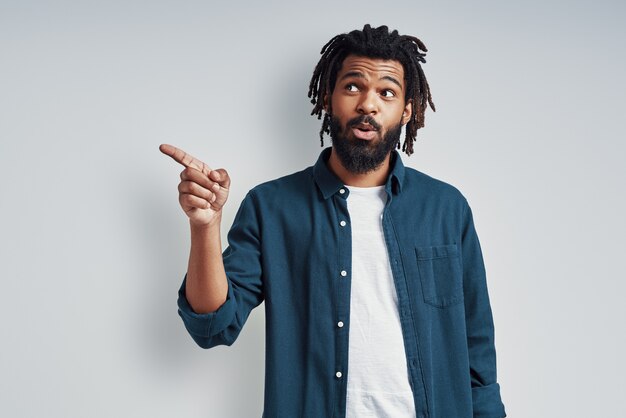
{"points": [[372, 275]]}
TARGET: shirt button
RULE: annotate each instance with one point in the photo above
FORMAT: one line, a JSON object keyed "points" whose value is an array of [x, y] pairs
{"points": [[342, 223], [340, 324], [344, 273], [342, 191], [338, 374]]}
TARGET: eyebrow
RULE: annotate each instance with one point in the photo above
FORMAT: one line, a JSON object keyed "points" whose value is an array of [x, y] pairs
{"points": [[358, 74]]}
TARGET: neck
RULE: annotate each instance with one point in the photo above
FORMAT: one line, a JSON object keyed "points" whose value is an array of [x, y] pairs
{"points": [[377, 177]]}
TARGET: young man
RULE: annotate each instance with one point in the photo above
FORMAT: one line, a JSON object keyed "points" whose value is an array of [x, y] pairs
{"points": [[372, 274]]}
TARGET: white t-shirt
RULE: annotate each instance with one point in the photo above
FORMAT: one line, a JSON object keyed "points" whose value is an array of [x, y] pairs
{"points": [[378, 380]]}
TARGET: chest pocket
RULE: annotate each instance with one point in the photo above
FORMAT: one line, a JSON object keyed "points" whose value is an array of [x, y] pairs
{"points": [[441, 274]]}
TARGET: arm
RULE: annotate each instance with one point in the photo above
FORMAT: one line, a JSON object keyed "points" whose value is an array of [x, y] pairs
{"points": [[206, 285], [242, 264], [202, 194], [214, 305], [479, 324]]}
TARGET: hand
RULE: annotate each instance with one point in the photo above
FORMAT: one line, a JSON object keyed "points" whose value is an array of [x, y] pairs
{"points": [[202, 192]]}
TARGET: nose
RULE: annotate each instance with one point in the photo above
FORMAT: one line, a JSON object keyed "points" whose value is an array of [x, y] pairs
{"points": [[368, 104]]}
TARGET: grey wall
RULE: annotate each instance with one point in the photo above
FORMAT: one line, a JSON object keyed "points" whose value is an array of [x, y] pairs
{"points": [[93, 244]]}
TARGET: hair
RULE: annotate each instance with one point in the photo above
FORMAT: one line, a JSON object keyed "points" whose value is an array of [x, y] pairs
{"points": [[373, 43]]}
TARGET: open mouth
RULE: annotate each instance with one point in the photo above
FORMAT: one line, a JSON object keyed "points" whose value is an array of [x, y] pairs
{"points": [[364, 131], [365, 127]]}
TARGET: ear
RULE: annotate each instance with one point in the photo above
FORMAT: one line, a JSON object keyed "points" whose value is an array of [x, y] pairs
{"points": [[406, 113], [325, 102]]}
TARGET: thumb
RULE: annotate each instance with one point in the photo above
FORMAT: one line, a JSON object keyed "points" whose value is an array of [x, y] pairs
{"points": [[220, 176]]}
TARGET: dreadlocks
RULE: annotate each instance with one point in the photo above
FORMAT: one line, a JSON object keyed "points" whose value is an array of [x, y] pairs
{"points": [[373, 43]]}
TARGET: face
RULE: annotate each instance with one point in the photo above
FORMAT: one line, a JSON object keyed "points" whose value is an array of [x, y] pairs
{"points": [[367, 111]]}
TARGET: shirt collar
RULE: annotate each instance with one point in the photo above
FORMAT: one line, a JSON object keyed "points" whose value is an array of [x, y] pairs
{"points": [[330, 184]]}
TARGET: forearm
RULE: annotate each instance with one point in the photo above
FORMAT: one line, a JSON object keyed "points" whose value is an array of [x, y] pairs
{"points": [[206, 285]]}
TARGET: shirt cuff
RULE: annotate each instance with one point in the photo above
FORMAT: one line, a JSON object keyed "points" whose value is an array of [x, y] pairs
{"points": [[206, 325], [487, 402]]}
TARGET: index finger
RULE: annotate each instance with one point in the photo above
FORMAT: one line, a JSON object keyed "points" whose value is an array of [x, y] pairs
{"points": [[183, 158]]}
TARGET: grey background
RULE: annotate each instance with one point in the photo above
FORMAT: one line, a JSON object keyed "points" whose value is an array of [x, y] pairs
{"points": [[93, 244]]}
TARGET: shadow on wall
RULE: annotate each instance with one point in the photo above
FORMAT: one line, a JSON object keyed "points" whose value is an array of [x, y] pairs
{"points": [[165, 351]]}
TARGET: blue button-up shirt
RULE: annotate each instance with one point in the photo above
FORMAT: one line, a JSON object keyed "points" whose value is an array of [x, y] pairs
{"points": [[289, 248]]}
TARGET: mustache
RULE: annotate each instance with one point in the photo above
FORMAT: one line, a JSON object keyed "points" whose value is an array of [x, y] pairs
{"points": [[364, 119]]}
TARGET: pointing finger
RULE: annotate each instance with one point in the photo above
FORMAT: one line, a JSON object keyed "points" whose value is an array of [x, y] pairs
{"points": [[184, 159]]}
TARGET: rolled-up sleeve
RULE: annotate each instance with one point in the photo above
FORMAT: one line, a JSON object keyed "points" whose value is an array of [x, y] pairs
{"points": [[486, 399], [242, 263]]}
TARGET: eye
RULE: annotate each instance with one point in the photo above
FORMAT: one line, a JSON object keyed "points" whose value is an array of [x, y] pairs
{"points": [[352, 87], [388, 93]]}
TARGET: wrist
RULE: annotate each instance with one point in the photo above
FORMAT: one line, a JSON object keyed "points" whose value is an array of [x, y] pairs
{"points": [[211, 226]]}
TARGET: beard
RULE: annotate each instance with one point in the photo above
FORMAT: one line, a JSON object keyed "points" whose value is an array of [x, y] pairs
{"points": [[361, 156]]}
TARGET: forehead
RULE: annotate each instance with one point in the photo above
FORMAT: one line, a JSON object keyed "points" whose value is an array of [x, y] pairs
{"points": [[372, 68]]}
